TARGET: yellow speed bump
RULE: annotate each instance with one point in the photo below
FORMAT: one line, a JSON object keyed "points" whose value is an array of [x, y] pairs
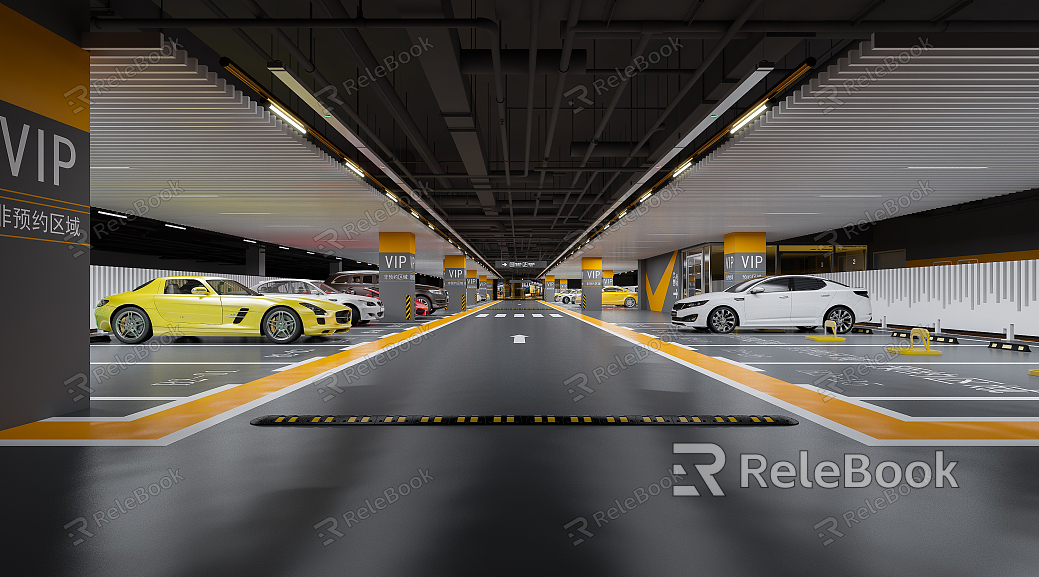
{"points": [[827, 338], [1034, 372], [925, 338]]}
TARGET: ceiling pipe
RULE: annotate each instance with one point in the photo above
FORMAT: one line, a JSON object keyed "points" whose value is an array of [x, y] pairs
{"points": [[709, 59], [564, 66], [482, 24], [806, 28], [640, 48], [362, 55], [535, 14]]}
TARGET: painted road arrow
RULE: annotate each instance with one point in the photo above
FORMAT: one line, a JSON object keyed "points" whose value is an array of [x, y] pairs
{"points": [[519, 339]]}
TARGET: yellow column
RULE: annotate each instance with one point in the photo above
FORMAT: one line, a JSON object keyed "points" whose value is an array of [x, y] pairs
{"points": [[744, 256]]}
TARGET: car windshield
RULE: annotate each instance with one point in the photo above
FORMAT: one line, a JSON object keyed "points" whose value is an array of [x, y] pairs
{"points": [[738, 288], [325, 288], [231, 288]]}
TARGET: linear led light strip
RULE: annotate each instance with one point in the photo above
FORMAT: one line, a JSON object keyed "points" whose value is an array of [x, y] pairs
{"points": [[290, 80], [304, 93], [755, 110]]}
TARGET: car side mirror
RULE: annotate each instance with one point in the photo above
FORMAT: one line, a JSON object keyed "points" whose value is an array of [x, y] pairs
{"points": [[756, 290], [200, 291]]}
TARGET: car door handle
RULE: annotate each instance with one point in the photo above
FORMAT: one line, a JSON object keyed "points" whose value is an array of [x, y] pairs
{"points": [[824, 295], [784, 297]]}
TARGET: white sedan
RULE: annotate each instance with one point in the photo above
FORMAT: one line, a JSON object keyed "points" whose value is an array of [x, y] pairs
{"points": [[571, 296], [365, 309], [801, 301]]}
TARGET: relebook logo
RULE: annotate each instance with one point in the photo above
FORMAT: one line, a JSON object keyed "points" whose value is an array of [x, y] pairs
{"points": [[856, 472]]}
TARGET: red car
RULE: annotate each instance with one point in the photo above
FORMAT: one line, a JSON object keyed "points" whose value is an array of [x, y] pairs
{"points": [[421, 309]]}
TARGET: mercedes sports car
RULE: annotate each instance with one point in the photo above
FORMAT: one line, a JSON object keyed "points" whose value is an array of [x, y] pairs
{"points": [[363, 308], [802, 301], [214, 306], [621, 297]]}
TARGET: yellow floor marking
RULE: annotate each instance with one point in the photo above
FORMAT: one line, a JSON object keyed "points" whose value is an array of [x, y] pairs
{"points": [[158, 425], [868, 422]]}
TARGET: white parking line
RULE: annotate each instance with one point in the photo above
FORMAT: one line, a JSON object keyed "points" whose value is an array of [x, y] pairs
{"points": [[519, 315], [480, 316], [555, 315], [162, 407], [294, 365], [500, 315], [739, 364], [538, 316]]}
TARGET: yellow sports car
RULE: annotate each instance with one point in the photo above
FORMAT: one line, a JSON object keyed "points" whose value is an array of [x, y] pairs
{"points": [[622, 297], [214, 306]]}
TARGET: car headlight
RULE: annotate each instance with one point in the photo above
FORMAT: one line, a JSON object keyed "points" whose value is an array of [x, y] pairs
{"points": [[317, 310], [436, 291], [371, 303], [102, 303], [695, 304]]}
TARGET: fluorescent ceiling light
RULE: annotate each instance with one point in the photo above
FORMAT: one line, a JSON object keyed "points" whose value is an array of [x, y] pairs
{"points": [[849, 196], [351, 166], [946, 167], [112, 214], [249, 241], [391, 197], [683, 168], [284, 115], [284, 247], [415, 214], [178, 227], [308, 252], [245, 213], [431, 227], [646, 196], [748, 117]]}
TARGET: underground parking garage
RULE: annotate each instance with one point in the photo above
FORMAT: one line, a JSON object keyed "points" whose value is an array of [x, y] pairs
{"points": [[584, 286]]}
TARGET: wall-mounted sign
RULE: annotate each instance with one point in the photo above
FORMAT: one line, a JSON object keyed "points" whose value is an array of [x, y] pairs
{"points": [[520, 263]]}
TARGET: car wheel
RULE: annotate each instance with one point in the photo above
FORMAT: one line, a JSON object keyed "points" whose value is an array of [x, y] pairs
{"points": [[422, 299], [722, 320], [355, 316], [843, 316], [131, 325], [281, 325], [629, 303]]}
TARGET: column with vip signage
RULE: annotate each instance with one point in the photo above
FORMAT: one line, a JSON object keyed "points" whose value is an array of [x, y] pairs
{"points": [[471, 286], [397, 275], [607, 278], [591, 284], [454, 282], [44, 221], [744, 257], [550, 288], [482, 287]]}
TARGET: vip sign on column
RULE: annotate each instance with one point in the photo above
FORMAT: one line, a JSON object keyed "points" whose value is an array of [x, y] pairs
{"points": [[744, 257], [454, 282], [471, 280], [591, 283]]}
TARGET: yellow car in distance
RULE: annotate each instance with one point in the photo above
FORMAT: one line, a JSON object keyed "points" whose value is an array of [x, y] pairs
{"points": [[199, 306], [621, 297]]}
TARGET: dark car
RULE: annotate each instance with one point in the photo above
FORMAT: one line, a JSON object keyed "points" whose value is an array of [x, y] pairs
{"points": [[361, 282]]}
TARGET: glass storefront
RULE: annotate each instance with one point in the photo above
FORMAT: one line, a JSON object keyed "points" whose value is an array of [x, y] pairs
{"points": [[703, 266]]}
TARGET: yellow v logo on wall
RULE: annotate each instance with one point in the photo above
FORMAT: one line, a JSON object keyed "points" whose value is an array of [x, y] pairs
{"points": [[657, 296]]}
